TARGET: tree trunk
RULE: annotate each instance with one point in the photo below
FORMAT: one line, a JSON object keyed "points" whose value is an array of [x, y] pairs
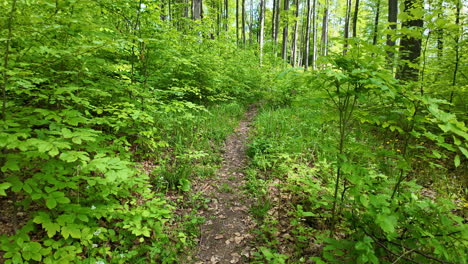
{"points": [[440, 32], [284, 50], [277, 21], [307, 37], [314, 34], [197, 9], [226, 15], [294, 44], [251, 23], [324, 45], [376, 24], [243, 22], [346, 27], [392, 20], [262, 28], [273, 21], [169, 11], [457, 50], [186, 8], [237, 21], [410, 46], [355, 18]]}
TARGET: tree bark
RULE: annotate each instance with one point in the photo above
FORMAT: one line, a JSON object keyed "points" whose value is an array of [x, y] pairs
{"points": [[307, 37], [197, 9], [273, 21], [314, 34], [243, 22], [355, 18], [392, 20], [324, 40], [376, 24], [457, 50], [277, 21], [251, 23], [346, 27], [440, 32], [186, 8], [410, 46], [237, 21], [294, 44], [226, 15], [284, 50], [262, 28]]}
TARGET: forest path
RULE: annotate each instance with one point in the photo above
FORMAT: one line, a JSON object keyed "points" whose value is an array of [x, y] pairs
{"points": [[225, 235]]}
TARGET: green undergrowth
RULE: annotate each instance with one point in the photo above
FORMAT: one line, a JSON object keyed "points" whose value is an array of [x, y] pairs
{"points": [[194, 144], [102, 198], [108, 115], [380, 182]]}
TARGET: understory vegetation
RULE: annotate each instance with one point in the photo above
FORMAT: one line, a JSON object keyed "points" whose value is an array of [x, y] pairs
{"points": [[112, 110], [357, 168], [100, 123]]}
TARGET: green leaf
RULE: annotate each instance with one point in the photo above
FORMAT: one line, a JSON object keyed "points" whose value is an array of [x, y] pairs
{"points": [[54, 151], [457, 161], [386, 222], [364, 200], [51, 228], [68, 156], [72, 230], [41, 218], [464, 151], [32, 251], [11, 165], [3, 187], [27, 188], [51, 203]]}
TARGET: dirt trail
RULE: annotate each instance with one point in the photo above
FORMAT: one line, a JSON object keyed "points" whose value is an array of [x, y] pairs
{"points": [[225, 235]]}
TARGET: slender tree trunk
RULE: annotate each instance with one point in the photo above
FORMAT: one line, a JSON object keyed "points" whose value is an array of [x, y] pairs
{"points": [[262, 28], [237, 22], [302, 30], [197, 9], [169, 12], [163, 11], [307, 36], [243, 23], [410, 46], [226, 15], [186, 8], [440, 33], [346, 27], [294, 44], [324, 45], [457, 50], [277, 21], [355, 18], [217, 6], [376, 24], [251, 23], [314, 34], [392, 20], [273, 20], [284, 50]]}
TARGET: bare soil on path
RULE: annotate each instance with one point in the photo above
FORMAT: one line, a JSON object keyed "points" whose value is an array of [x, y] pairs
{"points": [[225, 235]]}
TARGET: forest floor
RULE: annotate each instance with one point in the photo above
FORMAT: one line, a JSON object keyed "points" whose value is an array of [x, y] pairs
{"points": [[225, 236]]}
